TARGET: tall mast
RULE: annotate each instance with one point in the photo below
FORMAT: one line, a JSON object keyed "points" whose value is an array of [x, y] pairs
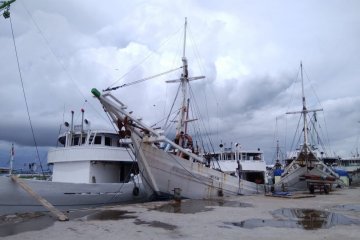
{"points": [[184, 48], [357, 145], [184, 81], [277, 151], [187, 116], [304, 111]]}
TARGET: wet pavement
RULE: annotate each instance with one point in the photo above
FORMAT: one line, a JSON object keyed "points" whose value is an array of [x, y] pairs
{"points": [[106, 215], [191, 206], [18, 223], [156, 224], [348, 207], [308, 219], [333, 216]]}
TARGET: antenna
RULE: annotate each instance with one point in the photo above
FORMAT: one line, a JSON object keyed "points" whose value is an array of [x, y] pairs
{"points": [[82, 126]]}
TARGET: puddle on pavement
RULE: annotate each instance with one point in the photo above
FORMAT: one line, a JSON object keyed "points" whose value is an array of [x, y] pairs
{"points": [[75, 214], [354, 186], [156, 224], [110, 215], [308, 219], [24, 222], [348, 207], [194, 206]]}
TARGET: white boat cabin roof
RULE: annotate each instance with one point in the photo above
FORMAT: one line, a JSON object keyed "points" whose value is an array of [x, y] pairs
{"points": [[229, 154], [92, 137]]}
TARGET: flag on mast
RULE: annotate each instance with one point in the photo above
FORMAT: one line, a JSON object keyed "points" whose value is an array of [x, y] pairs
{"points": [[12, 151], [12, 154]]}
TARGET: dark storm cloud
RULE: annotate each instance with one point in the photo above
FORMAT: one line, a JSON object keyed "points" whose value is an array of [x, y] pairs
{"points": [[22, 134], [249, 51]]}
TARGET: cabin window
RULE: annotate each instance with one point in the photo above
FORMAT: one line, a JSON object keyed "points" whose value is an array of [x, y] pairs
{"points": [[257, 157], [107, 141], [62, 141], [97, 140], [76, 141], [122, 144]]}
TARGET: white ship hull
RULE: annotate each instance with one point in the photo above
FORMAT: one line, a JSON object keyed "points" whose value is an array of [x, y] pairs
{"points": [[196, 181], [65, 196], [294, 180]]}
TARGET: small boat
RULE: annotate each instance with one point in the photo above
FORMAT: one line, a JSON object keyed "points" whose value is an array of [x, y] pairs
{"points": [[305, 166], [90, 168], [175, 168]]}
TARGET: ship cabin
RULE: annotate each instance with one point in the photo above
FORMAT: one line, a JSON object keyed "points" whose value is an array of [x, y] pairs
{"points": [[253, 165], [92, 157]]}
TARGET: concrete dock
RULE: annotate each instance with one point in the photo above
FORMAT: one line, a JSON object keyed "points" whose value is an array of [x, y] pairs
{"points": [[333, 216]]}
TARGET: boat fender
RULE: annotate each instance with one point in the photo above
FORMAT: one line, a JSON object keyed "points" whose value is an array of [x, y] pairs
{"points": [[220, 193], [136, 191]]}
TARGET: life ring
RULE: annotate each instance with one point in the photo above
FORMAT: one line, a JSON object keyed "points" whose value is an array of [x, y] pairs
{"points": [[184, 140], [124, 132]]}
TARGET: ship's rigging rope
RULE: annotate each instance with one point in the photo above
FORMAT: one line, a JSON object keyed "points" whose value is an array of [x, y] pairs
{"points": [[141, 80], [327, 138], [61, 64], [26, 102], [129, 150], [205, 131], [323, 140], [143, 60], [293, 144], [172, 106]]}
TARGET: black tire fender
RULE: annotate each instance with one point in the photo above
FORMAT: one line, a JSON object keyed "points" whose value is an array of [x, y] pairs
{"points": [[136, 191]]}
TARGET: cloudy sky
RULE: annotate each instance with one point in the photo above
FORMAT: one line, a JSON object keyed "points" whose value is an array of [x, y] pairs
{"points": [[249, 51]]}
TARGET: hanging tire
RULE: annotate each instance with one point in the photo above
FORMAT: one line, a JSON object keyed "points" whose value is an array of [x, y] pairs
{"points": [[312, 189], [136, 191], [326, 189]]}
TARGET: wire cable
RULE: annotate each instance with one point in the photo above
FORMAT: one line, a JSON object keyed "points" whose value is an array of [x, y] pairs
{"points": [[26, 102]]}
